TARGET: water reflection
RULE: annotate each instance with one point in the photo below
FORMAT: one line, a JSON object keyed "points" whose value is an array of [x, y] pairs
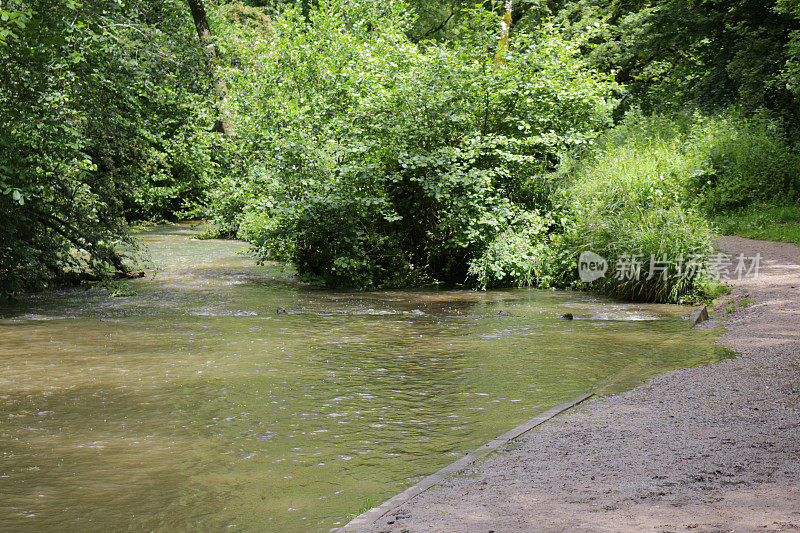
{"points": [[194, 405]]}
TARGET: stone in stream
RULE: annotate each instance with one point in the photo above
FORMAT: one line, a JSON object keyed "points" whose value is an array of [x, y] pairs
{"points": [[567, 316]]}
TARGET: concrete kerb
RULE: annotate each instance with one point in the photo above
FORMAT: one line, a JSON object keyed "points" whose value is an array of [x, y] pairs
{"points": [[699, 315], [396, 501]]}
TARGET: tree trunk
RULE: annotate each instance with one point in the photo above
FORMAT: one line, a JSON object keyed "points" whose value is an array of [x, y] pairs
{"points": [[505, 27], [218, 84]]}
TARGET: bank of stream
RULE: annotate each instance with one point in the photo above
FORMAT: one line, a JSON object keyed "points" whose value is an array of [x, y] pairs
{"points": [[193, 404]]}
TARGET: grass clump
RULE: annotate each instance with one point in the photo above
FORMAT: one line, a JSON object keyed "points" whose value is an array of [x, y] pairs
{"points": [[746, 161], [368, 504], [655, 190], [630, 206]]}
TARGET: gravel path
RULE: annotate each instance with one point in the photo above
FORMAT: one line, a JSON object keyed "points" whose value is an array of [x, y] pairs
{"points": [[714, 448]]}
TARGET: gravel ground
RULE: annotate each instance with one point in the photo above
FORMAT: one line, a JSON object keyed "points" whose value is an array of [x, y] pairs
{"points": [[714, 448]]}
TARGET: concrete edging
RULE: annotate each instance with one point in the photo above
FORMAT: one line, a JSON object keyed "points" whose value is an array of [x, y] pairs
{"points": [[396, 501], [699, 315]]}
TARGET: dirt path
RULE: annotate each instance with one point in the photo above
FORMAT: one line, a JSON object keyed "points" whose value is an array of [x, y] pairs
{"points": [[713, 448]]}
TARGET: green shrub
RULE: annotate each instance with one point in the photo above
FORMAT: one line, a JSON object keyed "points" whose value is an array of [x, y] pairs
{"points": [[379, 162], [629, 202], [747, 161], [651, 182], [374, 161], [516, 256]]}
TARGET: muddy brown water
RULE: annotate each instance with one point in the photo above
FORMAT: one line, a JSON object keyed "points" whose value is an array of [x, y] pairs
{"points": [[194, 405]]}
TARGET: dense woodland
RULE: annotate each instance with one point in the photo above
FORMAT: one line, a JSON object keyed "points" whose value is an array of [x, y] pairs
{"points": [[393, 144]]}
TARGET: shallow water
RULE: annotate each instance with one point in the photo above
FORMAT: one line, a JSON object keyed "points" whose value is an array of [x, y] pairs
{"points": [[193, 405]]}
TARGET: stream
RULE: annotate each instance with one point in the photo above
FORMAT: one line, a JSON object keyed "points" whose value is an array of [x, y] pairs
{"points": [[192, 404]]}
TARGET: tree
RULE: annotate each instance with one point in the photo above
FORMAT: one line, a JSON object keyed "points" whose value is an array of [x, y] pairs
{"points": [[218, 84], [505, 29], [382, 161], [101, 122], [702, 53]]}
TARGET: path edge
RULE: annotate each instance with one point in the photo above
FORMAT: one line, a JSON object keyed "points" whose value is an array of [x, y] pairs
{"points": [[415, 490]]}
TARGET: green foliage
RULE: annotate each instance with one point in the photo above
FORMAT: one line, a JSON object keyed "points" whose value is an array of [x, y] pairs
{"points": [[380, 162], [760, 221], [117, 288], [14, 18], [382, 144], [105, 116], [743, 303], [651, 182], [703, 53], [519, 256], [747, 161], [630, 200], [368, 504], [791, 73]]}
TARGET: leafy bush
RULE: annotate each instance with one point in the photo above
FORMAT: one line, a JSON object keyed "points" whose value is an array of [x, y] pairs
{"points": [[384, 162], [516, 256], [374, 161]]}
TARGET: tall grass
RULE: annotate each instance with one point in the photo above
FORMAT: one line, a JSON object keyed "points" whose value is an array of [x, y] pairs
{"points": [[745, 161], [629, 200], [652, 184]]}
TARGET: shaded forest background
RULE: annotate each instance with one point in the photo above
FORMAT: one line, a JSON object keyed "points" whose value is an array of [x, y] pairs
{"points": [[389, 144]]}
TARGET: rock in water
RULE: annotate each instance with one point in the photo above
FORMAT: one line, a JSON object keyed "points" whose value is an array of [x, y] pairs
{"points": [[505, 313], [567, 316]]}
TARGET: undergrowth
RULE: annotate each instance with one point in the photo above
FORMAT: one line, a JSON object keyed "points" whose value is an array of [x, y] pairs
{"points": [[766, 222]]}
